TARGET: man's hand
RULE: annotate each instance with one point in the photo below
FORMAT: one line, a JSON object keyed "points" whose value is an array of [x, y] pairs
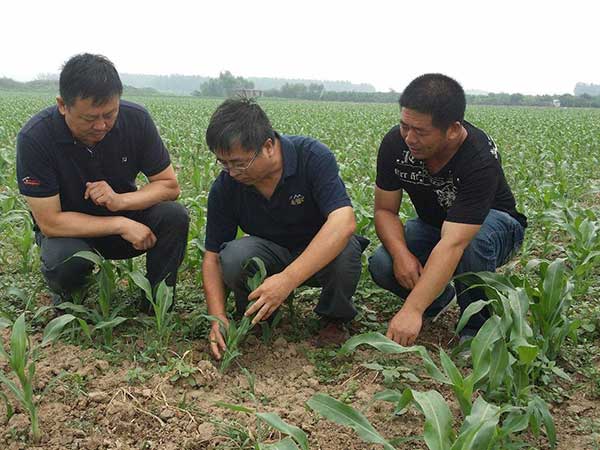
{"points": [[405, 326], [140, 236], [269, 296], [407, 269], [102, 194], [217, 342]]}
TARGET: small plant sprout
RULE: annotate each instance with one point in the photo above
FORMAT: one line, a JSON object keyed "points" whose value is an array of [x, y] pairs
{"points": [[22, 356]]}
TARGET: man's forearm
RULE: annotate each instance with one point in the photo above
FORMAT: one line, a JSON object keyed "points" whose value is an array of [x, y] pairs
{"points": [[149, 195], [214, 288], [79, 225], [435, 276], [327, 244], [390, 231]]}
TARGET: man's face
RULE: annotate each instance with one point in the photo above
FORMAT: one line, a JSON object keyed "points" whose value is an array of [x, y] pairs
{"points": [[242, 165], [89, 123], [423, 139]]}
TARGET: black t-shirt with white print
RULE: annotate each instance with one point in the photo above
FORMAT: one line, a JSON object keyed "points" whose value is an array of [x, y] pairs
{"points": [[463, 191]]}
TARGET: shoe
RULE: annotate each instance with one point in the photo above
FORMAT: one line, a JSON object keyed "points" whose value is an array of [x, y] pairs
{"points": [[464, 342], [332, 333], [439, 307]]}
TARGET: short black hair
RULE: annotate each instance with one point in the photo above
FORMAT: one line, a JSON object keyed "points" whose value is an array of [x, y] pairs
{"points": [[87, 75], [438, 95], [238, 121]]}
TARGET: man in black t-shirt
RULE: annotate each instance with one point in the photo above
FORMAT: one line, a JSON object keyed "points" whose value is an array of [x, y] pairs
{"points": [[77, 164], [467, 220], [286, 195]]}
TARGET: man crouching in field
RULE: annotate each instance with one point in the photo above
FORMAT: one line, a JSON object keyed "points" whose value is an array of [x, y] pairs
{"points": [[466, 216], [77, 163], [285, 193]]}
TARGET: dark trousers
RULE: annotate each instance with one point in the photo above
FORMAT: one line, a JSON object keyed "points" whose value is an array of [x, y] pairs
{"points": [[169, 221], [338, 279], [498, 239]]}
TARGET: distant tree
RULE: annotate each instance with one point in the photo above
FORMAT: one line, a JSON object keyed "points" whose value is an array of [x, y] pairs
{"points": [[225, 85]]}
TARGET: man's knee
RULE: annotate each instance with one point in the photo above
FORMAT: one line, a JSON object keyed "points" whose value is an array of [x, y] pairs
{"points": [[234, 255], [380, 265], [60, 267], [174, 216]]}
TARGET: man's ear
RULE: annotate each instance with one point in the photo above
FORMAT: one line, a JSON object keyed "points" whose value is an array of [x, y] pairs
{"points": [[454, 130], [269, 147], [62, 106]]}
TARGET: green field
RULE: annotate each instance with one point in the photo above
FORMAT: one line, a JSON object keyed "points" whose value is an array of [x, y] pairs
{"points": [[151, 393]]}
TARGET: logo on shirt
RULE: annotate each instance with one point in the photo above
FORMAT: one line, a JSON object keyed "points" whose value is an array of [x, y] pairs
{"points": [[29, 181], [123, 159], [296, 199]]}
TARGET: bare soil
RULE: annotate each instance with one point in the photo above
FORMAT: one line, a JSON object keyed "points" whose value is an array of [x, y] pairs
{"points": [[94, 407]]}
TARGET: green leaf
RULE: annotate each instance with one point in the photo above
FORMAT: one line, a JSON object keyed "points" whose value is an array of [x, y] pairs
{"points": [[18, 346], [470, 311], [142, 282], [479, 428], [275, 421], [385, 345], [285, 444], [110, 323], [481, 345], [345, 415], [55, 327], [236, 408], [90, 256], [438, 432]]}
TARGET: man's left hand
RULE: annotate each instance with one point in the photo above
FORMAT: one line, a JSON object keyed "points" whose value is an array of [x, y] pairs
{"points": [[405, 326], [102, 194], [269, 296]]}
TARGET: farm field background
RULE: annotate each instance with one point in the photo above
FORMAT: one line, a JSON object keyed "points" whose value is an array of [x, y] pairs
{"points": [[136, 394]]}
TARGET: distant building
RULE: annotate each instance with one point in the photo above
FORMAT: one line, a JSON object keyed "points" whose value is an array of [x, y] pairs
{"points": [[247, 93], [556, 103]]}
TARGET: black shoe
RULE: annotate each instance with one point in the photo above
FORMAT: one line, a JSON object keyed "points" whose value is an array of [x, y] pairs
{"points": [[439, 307]]}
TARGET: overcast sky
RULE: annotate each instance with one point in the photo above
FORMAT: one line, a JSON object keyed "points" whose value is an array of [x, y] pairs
{"points": [[526, 46]]}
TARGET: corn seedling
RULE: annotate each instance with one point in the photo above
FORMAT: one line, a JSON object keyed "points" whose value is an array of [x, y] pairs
{"points": [[260, 439], [104, 318], [161, 301], [22, 356], [236, 333]]}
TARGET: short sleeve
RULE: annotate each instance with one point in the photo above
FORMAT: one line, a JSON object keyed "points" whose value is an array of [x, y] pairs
{"points": [[221, 222], [386, 178], [155, 155], [475, 196], [327, 187], [36, 173]]}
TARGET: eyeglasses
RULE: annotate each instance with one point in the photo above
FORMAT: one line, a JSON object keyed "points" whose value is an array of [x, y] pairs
{"points": [[238, 167]]}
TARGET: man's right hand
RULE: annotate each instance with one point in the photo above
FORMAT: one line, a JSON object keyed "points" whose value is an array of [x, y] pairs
{"points": [[140, 236], [407, 269], [215, 337]]}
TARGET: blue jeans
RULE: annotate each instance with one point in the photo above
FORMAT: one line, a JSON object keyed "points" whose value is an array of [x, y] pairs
{"points": [[498, 239]]}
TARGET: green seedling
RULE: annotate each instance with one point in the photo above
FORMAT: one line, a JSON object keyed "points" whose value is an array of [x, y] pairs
{"points": [[105, 317], [161, 301], [22, 357], [295, 439], [235, 333]]}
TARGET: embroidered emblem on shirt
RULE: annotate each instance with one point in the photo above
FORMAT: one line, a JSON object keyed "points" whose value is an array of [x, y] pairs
{"points": [[123, 159], [296, 199], [28, 181]]}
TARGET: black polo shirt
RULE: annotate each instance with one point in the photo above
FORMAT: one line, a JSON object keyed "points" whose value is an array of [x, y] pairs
{"points": [[310, 188], [51, 161]]}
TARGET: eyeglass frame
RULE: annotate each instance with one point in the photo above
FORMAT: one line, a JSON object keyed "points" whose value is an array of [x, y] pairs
{"points": [[224, 166]]}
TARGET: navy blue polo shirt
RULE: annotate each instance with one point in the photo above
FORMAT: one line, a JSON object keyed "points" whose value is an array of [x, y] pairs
{"points": [[51, 161], [309, 189]]}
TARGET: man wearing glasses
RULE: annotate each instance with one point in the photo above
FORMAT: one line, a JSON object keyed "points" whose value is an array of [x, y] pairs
{"points": [[285, 194]]}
